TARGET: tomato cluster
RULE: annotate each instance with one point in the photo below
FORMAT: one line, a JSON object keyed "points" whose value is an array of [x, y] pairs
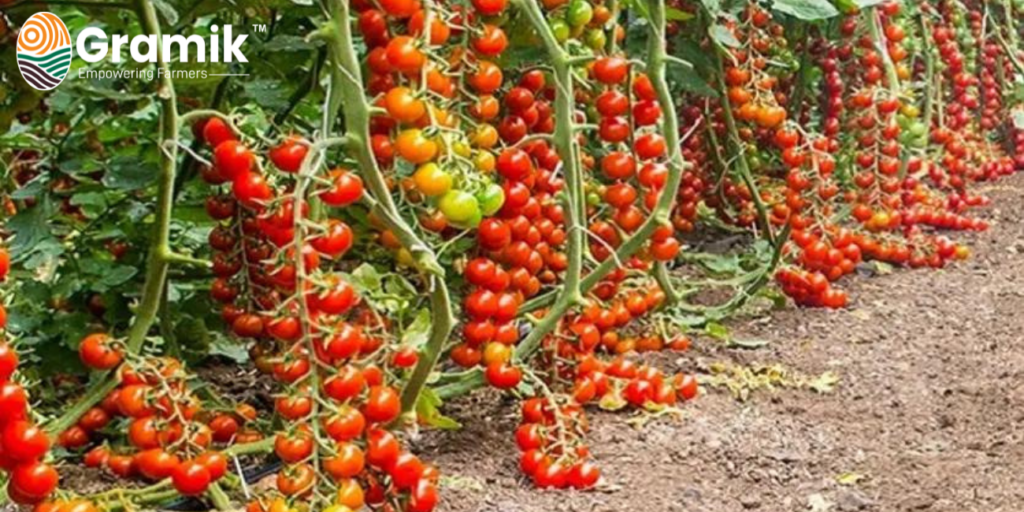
{"points": [[165, 423], [314, 336], [23, 445]]}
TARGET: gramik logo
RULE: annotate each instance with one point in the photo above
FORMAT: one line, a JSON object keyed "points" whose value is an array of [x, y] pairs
{"points": [[44, 51]]}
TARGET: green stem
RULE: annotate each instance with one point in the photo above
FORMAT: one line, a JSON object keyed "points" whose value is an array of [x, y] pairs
{"points": [[664, 279], [96, 392], [346, 95], [442, 322], [160, 255], [219, 498], [676, 165], [882, 46], [741, 155], [657, 53], [570, 293], [261, 446], [929, 65], [167, 325]]}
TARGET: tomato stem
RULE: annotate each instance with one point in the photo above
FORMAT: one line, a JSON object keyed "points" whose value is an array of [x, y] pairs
{"points": [[677, 164], [347, 83], [566, 144], [160, 255]]}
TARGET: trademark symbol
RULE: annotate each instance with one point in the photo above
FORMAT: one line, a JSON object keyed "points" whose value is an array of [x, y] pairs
{"points": [[259, 27]]}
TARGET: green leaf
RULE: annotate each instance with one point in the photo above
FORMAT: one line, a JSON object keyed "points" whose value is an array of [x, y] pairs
{"points": [[807, 10], [127, 173], [113, 277], [44, 256], [723, 264], [673, 14], [748, 344], [365, 278], [717, 331], [113, 132], [427, 406], [267, 93], [30, 228], [288, 43], [684, 320], [30, 190], [778, 298], [225, 347], [691, 81], [193, 334], [92, 203], [418, 332], [723, 36]]}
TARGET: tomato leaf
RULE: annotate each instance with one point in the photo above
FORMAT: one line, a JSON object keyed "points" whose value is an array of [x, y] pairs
{"points": [[223, 346], [129, 173], [723, 36], [366, 278], [113, 277], [267, 93], [417, 333], [288, 43], [717, 331], [748, 344], [808, 10], [29, 228], [427, 410], [92, 203], [673, 14]]}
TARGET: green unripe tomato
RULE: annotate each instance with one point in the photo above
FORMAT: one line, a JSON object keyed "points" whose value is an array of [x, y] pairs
{"points": [[580, 13], [491, 199], [459, 207], [918, 129], [596, 39], [561, 30]]}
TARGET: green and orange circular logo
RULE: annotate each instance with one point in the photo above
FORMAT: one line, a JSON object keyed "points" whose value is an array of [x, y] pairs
{"points": [[44, 51]]}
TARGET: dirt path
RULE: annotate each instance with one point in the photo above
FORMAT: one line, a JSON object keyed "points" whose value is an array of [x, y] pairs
{"points": [[929, 414]]}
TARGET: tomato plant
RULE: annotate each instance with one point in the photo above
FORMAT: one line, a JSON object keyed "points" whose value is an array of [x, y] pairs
{"points": [[406, 201]]}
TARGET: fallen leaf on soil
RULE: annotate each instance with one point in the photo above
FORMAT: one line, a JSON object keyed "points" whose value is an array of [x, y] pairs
{"points": [[850, 478], [860, 314], [462, 482], [824, 383], [742, 380]]}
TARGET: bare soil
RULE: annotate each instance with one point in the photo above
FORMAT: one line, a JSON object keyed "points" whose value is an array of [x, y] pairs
{"points": [[928, 414]]}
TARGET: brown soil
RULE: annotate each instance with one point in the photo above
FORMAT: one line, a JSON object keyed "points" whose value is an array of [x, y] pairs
{"points": [[928, 414]]}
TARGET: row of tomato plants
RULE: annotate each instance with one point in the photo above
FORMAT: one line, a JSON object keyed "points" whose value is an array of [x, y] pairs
{"points": [[577, 180]]}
